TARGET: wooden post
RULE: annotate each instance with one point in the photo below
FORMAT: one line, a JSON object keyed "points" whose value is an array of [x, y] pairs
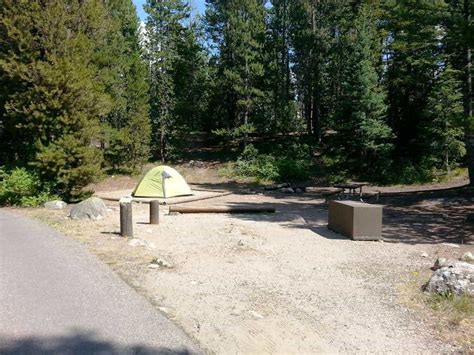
{"points": [[155, 212], [126, 220]]}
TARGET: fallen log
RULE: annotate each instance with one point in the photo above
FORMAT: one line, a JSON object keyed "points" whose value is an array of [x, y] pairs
{"points": [[223, 209]]}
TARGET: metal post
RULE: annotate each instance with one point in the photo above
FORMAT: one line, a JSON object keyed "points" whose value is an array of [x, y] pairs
{"points": [[126, 220], [155, 212]]}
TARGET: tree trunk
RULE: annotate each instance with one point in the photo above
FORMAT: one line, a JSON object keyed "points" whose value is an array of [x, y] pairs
{"points": [[469, 127]]}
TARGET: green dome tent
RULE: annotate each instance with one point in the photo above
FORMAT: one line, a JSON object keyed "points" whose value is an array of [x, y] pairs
{"points": [[162, 181]]}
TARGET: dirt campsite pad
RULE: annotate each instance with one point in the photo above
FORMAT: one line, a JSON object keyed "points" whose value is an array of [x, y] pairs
{"points": [[280, 283]]}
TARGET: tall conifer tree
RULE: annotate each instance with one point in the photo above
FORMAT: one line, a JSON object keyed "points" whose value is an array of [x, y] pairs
{"points": [[164, 30], [127, 126], [237, 28], [53, 102]]}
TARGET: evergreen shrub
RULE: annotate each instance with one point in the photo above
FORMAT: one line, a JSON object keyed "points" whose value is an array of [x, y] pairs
{"points": [[284, 166], [20, 187]]}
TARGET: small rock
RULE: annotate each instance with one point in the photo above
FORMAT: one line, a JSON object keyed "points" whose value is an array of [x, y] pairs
{"points": [[164, 309], [153, 266], [439, 263], [162, 263], [424, 255], [138, 243], [467, 257], [297, 219], [298, 190], [451, 245], [256, 315], [55, 205], [287, 190], [240, 243], [235, 312], [276, 187]]}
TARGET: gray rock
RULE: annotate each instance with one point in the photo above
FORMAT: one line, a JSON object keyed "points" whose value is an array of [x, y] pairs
{"points": [[457, 277], [424, 255], [467, 257], [298, 190], [55, 205], [92, 209], [439, 263], [276, 187], [137, 242], [451, 245], [141, 243], [162, 263], [287, 190]]}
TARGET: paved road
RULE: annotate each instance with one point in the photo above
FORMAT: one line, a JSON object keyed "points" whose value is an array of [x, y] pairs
{"points": [[57, 298]]}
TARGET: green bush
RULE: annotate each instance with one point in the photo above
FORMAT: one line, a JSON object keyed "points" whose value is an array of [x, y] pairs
{"points": [[19, 187], [270, 168]]}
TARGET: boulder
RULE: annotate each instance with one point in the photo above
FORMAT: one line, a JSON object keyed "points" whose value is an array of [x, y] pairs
{"points": [[455, 276], [287, 190], [92, 209], [55, 205]]}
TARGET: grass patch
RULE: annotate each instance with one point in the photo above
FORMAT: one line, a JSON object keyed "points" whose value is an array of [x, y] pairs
{"points": [[456, 308]]}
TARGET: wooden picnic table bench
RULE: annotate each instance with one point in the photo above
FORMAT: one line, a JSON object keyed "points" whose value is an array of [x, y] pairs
{"points": [[352, 187]]}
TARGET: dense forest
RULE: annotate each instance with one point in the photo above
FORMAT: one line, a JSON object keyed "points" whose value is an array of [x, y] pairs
{"points": [[372, 89]]}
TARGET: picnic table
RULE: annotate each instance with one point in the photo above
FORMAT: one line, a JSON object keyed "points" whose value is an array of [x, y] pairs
{"points": [[352, 188]]}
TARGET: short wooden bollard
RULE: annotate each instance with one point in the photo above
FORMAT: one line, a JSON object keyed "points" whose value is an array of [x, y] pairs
{"points": [[155, 212], [126, 220]]}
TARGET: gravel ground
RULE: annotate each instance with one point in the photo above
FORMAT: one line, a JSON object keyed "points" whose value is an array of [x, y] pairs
{"points": [[274, 283]]}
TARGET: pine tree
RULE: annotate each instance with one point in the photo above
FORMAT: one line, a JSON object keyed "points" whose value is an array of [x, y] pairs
{"points": [[164, 30], [191, 81], [444, 121], [412, 58], [281, 108], [308, 40], [459, 43], [237, 29], [367, 136], [53, 104], [127, 126]]}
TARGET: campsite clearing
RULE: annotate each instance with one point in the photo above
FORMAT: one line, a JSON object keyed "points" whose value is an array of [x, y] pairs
{"points": [[283, 282]]}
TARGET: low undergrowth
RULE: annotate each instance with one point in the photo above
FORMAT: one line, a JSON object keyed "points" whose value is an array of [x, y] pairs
{"points": [[289, 164], [21, 187]]}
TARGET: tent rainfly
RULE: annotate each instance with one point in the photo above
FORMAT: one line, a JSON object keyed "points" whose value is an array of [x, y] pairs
{"points": [[162, 181]]}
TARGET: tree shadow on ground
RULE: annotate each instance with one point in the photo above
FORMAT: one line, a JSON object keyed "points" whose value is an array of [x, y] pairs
{"points": [[76, 343], [425, 217]]}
